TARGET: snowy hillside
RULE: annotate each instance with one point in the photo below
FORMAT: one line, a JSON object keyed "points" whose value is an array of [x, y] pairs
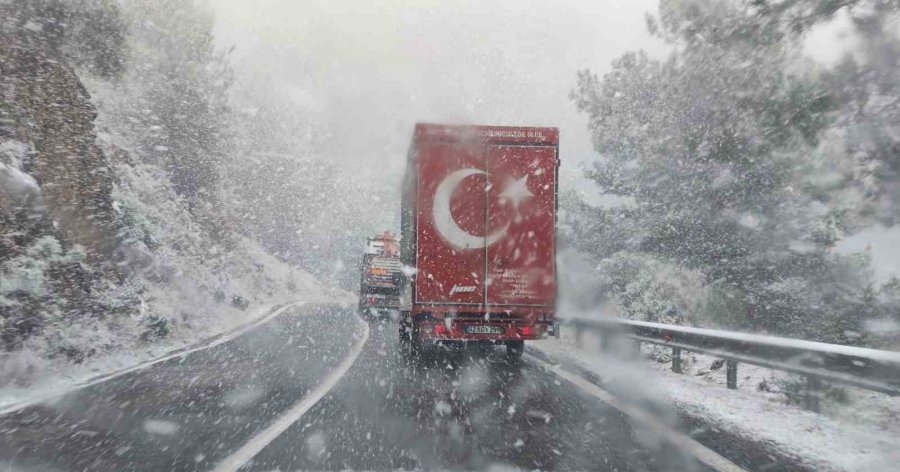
{"points": [[115, 242]]}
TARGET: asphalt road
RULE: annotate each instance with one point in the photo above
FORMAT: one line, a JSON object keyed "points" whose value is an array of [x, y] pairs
{"points": [[449, 410], [186, 413], [455, 410]]}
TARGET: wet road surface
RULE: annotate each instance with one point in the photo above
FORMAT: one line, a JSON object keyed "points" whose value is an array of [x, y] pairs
{"points": [[452, 409], [186, 413], [461, 410]]}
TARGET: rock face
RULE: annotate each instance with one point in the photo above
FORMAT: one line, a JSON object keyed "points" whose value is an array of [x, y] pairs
{"points": [[58, 228], [43, 104]]}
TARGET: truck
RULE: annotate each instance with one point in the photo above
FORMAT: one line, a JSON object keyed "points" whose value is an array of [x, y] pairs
{"points": [[478, 236], [380, 277]]}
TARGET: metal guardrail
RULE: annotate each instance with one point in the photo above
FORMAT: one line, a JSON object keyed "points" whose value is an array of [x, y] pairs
{"points": [[869, 369]]}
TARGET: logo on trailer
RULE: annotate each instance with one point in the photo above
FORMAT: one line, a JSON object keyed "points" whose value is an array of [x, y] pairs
{"points": [[462, 289], [445, 224]]}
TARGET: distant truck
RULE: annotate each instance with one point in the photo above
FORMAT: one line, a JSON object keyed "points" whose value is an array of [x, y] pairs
{"points": [[380, 277], [478, 236]]}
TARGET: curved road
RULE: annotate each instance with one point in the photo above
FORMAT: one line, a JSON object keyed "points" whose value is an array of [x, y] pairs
{"points": [[450, 410], [459, 411]]}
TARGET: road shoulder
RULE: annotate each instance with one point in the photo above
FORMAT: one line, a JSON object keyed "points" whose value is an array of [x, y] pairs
{"points": [[744, 422], [186, 412]]}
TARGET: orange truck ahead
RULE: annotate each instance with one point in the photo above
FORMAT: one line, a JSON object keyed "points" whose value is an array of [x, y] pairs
{"points": [[380, 277]]}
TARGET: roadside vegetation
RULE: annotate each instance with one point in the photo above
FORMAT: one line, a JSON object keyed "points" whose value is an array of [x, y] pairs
{"points": [[119, 151], [741, 164]]}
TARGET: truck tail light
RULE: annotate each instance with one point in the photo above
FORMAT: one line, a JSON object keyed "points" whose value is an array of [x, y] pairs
{"points": [[440, 329], [527, 330]]}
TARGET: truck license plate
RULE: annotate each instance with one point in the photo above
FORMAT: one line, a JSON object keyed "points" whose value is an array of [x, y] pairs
{"points": [[480, 329]]}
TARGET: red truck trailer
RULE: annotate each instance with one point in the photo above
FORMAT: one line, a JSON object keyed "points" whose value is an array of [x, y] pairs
{"points": [[478, 242]]}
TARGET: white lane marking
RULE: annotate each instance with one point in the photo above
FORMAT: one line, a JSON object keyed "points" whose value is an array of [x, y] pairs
{"points": [[218, 339], [702, 453], [257, 443]]}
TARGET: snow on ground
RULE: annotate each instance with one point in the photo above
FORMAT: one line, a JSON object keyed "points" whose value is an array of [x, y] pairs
{"points": [[861, 435], [55, 378], [186, 285], [58, 377], [195, 299], [183, 282]]}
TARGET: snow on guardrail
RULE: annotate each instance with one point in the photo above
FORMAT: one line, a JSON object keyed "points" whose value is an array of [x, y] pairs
{"points": [[870, 369]]}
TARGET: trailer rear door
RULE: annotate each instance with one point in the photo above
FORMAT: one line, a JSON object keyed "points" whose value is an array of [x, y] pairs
{"points": [[485, 215], [450, 220], [521, 203]]}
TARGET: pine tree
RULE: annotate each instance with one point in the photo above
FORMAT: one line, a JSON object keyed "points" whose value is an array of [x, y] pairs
{"points": [[719, 147], [184, 80]]}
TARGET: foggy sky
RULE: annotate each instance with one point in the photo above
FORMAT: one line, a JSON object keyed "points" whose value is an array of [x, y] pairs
{"points": [[365, 72]]}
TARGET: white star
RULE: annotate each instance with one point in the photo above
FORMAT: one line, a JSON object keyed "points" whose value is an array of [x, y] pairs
{"points": [[516, 191]]}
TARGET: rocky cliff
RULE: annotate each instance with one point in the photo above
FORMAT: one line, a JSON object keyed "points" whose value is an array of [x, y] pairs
{"points": [[104, 246], [44, 106]]}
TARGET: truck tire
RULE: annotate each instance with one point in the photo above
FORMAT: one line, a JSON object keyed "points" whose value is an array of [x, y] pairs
{"points": [[409, 346], [515, 349], [411, 349]]}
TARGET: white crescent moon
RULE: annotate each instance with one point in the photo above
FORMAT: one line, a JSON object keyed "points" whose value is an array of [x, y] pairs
{"points": [[443, 219]]}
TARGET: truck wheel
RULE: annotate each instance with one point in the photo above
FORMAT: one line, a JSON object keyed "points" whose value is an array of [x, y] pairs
{"points": [[409, 346], [514, 349]]}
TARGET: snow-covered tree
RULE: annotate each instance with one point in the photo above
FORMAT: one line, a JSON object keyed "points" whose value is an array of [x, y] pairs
{"points": [[724, 149], [183, 98]]}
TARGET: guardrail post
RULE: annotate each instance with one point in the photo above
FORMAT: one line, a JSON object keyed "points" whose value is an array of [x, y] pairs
{"points": [[731, 374], [873, 370], [605, 339], [637, 350], [811, 403], [676, 360]]}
